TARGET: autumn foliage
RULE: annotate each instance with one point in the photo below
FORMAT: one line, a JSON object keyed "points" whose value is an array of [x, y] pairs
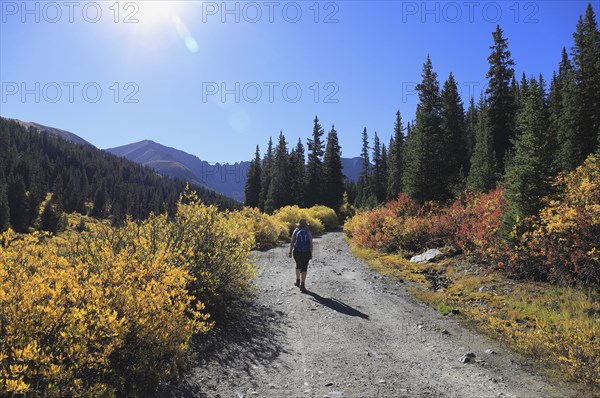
{"points": [[110, 312], [560, 244]]}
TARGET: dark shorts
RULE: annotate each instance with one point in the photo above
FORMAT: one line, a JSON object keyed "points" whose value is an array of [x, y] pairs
{"points": [[302, 259]]}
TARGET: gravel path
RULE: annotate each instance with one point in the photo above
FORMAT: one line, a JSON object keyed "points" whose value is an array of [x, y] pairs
{"points": [[354, 334]]}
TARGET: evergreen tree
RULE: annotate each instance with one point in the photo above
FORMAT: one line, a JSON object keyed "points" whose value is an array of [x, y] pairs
{"points": [[333, 175], [4, 209], [314, 166], [50, 219], [483, 173], [425, 167], [101, 201], [351, 192], [279, 194], [265, 178], [454, 130], [396, 160], [529, 173], [378, 181], [297, 173], [252, 188], [364, 178], [500, 99], [384, 172], [18, 204], [565, 112], [471, 131], [555, 111], [586, 71]]}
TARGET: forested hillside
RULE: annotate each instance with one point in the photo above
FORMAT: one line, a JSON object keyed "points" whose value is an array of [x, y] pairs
{"points": [[520, 134], [81, 179]]}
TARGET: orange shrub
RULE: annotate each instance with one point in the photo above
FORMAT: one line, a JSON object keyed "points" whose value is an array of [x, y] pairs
{"points": [[478, 223]]}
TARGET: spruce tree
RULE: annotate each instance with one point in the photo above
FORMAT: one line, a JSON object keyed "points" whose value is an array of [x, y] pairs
{"points": [[500, 99], [425, 168], [566, 114], [252, 188], [454, 130], [471, 131], [333, 176], [384, 173], [378, 180], [364, 178], [279, 194], [18, 204], [529, 173], [314, 166], [4, 209], [51, 217], [483, 173], [265, 178], [396, 160], [297, 173], [586, 62]]}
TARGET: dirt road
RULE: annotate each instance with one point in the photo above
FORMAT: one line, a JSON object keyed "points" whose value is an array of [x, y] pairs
{"points": [[355, 334]]}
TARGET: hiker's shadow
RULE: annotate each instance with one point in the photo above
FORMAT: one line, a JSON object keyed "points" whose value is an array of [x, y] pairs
{"points": [[337, 305]]}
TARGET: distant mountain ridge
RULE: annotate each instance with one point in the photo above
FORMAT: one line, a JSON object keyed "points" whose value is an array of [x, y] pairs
{"points": [[224, 178], [67, 135], [227, 179]]}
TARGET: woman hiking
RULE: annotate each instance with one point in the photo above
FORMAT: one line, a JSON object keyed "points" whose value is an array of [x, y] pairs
{"points": [[301, 247]]}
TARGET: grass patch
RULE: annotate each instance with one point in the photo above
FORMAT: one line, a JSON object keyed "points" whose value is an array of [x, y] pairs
{"points": [[556, 325]]}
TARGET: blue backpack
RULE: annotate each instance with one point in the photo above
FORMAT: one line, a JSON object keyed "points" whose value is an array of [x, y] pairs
{"points": [[302, 242]]}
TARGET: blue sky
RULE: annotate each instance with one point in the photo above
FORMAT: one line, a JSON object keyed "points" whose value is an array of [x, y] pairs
{"points": [[217, 78]]}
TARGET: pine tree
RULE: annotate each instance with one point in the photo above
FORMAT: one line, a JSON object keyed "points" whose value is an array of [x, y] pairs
{"points": [[50, 219], [279, 194], [101, 202], [555, 111], [566, 116], [4, 209], [396, 160], [252, 188], [265, 177], [471, 131], [384, 173], [378, 180], [425, 167], [586, 62], [333, 176], [454, 130], [18, 204], [364, 178], [297, 173], [483, 174], [529, 173], [314, 166], [500, 99]]}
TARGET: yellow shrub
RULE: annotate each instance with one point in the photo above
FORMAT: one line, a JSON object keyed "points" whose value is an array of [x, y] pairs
{"points": [[326, 215], [289, 215], [267, 230], [85, 322], [110, 312]]}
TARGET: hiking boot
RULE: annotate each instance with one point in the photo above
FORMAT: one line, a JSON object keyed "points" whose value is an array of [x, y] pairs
{"points": [[303, 288], [297, 284]]}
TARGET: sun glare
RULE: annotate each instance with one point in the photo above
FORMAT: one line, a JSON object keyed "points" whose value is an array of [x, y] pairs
{"points": [[156, 20], [152, 13]]}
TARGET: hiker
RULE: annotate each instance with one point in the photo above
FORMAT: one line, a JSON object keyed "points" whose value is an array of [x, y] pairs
{"points": [[301, 247]]}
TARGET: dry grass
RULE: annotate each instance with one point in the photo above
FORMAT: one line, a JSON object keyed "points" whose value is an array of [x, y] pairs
{"points": [[556, 325]]}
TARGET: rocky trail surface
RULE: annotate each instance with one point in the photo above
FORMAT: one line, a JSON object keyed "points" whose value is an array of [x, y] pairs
{"points": [[354, 334]]}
